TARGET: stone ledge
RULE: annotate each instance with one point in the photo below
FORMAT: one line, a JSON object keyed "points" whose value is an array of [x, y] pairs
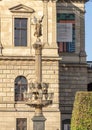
{"points": [[29, 58]]}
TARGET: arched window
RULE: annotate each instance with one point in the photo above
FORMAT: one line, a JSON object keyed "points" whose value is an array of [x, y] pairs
{"points": [[89, 87], [20, 87]]}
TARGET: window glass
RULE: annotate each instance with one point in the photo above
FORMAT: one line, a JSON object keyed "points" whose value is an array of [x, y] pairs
{"points": [[89, 87], [66, 124], [66, 32], [20, 88], [21, 124], [20, 31]]}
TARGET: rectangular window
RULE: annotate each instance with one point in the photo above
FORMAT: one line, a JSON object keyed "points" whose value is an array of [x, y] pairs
{"points": [[20, 31], [66, 32], [21, 124]]}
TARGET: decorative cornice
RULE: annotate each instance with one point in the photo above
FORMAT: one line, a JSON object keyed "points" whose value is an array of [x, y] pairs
{"points": [[77, 1], [28, 58], [45, 0], [66, 64], [49, 0], [11, 58]]}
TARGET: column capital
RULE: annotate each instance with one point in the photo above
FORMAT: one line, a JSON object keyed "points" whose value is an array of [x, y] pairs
{"points": [[37, 45], [45, 1]]}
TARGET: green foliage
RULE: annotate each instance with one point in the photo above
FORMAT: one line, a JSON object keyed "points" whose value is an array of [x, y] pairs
{"points": [[82, 112]]}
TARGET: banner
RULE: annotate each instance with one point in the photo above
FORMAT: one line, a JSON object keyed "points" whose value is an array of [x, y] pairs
{"points": [[64, 32]]}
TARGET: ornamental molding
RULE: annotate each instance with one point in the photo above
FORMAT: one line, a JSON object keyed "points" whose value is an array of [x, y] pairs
{"points": [[21, 9], [49, 0], [28, 58], [77, 1]]}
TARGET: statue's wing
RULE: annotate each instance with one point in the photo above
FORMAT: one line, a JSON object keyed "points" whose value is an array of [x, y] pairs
{"points": [[35, 20], [41, 18]]}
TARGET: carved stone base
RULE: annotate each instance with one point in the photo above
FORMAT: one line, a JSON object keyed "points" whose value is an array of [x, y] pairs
{"points": [[38, 122]]}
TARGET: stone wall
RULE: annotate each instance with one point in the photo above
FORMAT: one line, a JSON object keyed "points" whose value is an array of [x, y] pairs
{"points": [[28, 9], [89, 75], [9, 109], [73, 78], [8, 120], [64, 78]]}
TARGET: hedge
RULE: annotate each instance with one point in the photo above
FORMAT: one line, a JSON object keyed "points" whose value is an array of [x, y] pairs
{"points": [[82, 111]]}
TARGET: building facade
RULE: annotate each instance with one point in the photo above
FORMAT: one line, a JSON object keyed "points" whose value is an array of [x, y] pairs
{"points": [[64, 65]]}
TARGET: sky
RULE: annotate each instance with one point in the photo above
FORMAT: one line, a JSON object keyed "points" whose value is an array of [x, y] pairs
{"points": [[88, 30]]}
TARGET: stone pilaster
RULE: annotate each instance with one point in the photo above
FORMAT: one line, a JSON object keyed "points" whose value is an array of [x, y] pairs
{"points": [[54, 24], [82, 38], [45, 21]]}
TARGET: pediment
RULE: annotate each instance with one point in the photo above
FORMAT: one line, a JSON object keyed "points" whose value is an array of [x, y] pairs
{"points": [[21, 9]]}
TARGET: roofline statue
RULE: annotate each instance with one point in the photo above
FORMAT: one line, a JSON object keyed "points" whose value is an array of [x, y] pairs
{"points": [[38, 27]]}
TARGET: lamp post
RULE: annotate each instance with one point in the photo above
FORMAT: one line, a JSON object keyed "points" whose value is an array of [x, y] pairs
{"points": [[37, 95]]}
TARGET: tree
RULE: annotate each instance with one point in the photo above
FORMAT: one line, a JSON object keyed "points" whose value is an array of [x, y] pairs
{"points": [[82, 111]]}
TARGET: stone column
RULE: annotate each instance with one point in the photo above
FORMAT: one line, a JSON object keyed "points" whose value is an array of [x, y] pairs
{"points": [[45, 21], [82, 38], [54, 24], [38, 119], [1, 47], [38, 63]]}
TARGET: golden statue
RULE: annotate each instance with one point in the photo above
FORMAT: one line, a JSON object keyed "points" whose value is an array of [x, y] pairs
{"points": [[38, 28]]}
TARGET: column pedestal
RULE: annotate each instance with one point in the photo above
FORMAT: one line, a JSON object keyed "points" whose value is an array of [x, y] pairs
{"points": [[39, 122]]}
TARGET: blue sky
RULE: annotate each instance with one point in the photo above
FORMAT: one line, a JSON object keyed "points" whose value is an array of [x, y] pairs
{"points": [[88, 30]]}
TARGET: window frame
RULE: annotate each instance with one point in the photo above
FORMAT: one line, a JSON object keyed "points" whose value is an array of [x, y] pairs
{"points": [[89, 87], [19, 98], [28, 17], [19, 29], [20, 119], [68, 44], [66, 122]]}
